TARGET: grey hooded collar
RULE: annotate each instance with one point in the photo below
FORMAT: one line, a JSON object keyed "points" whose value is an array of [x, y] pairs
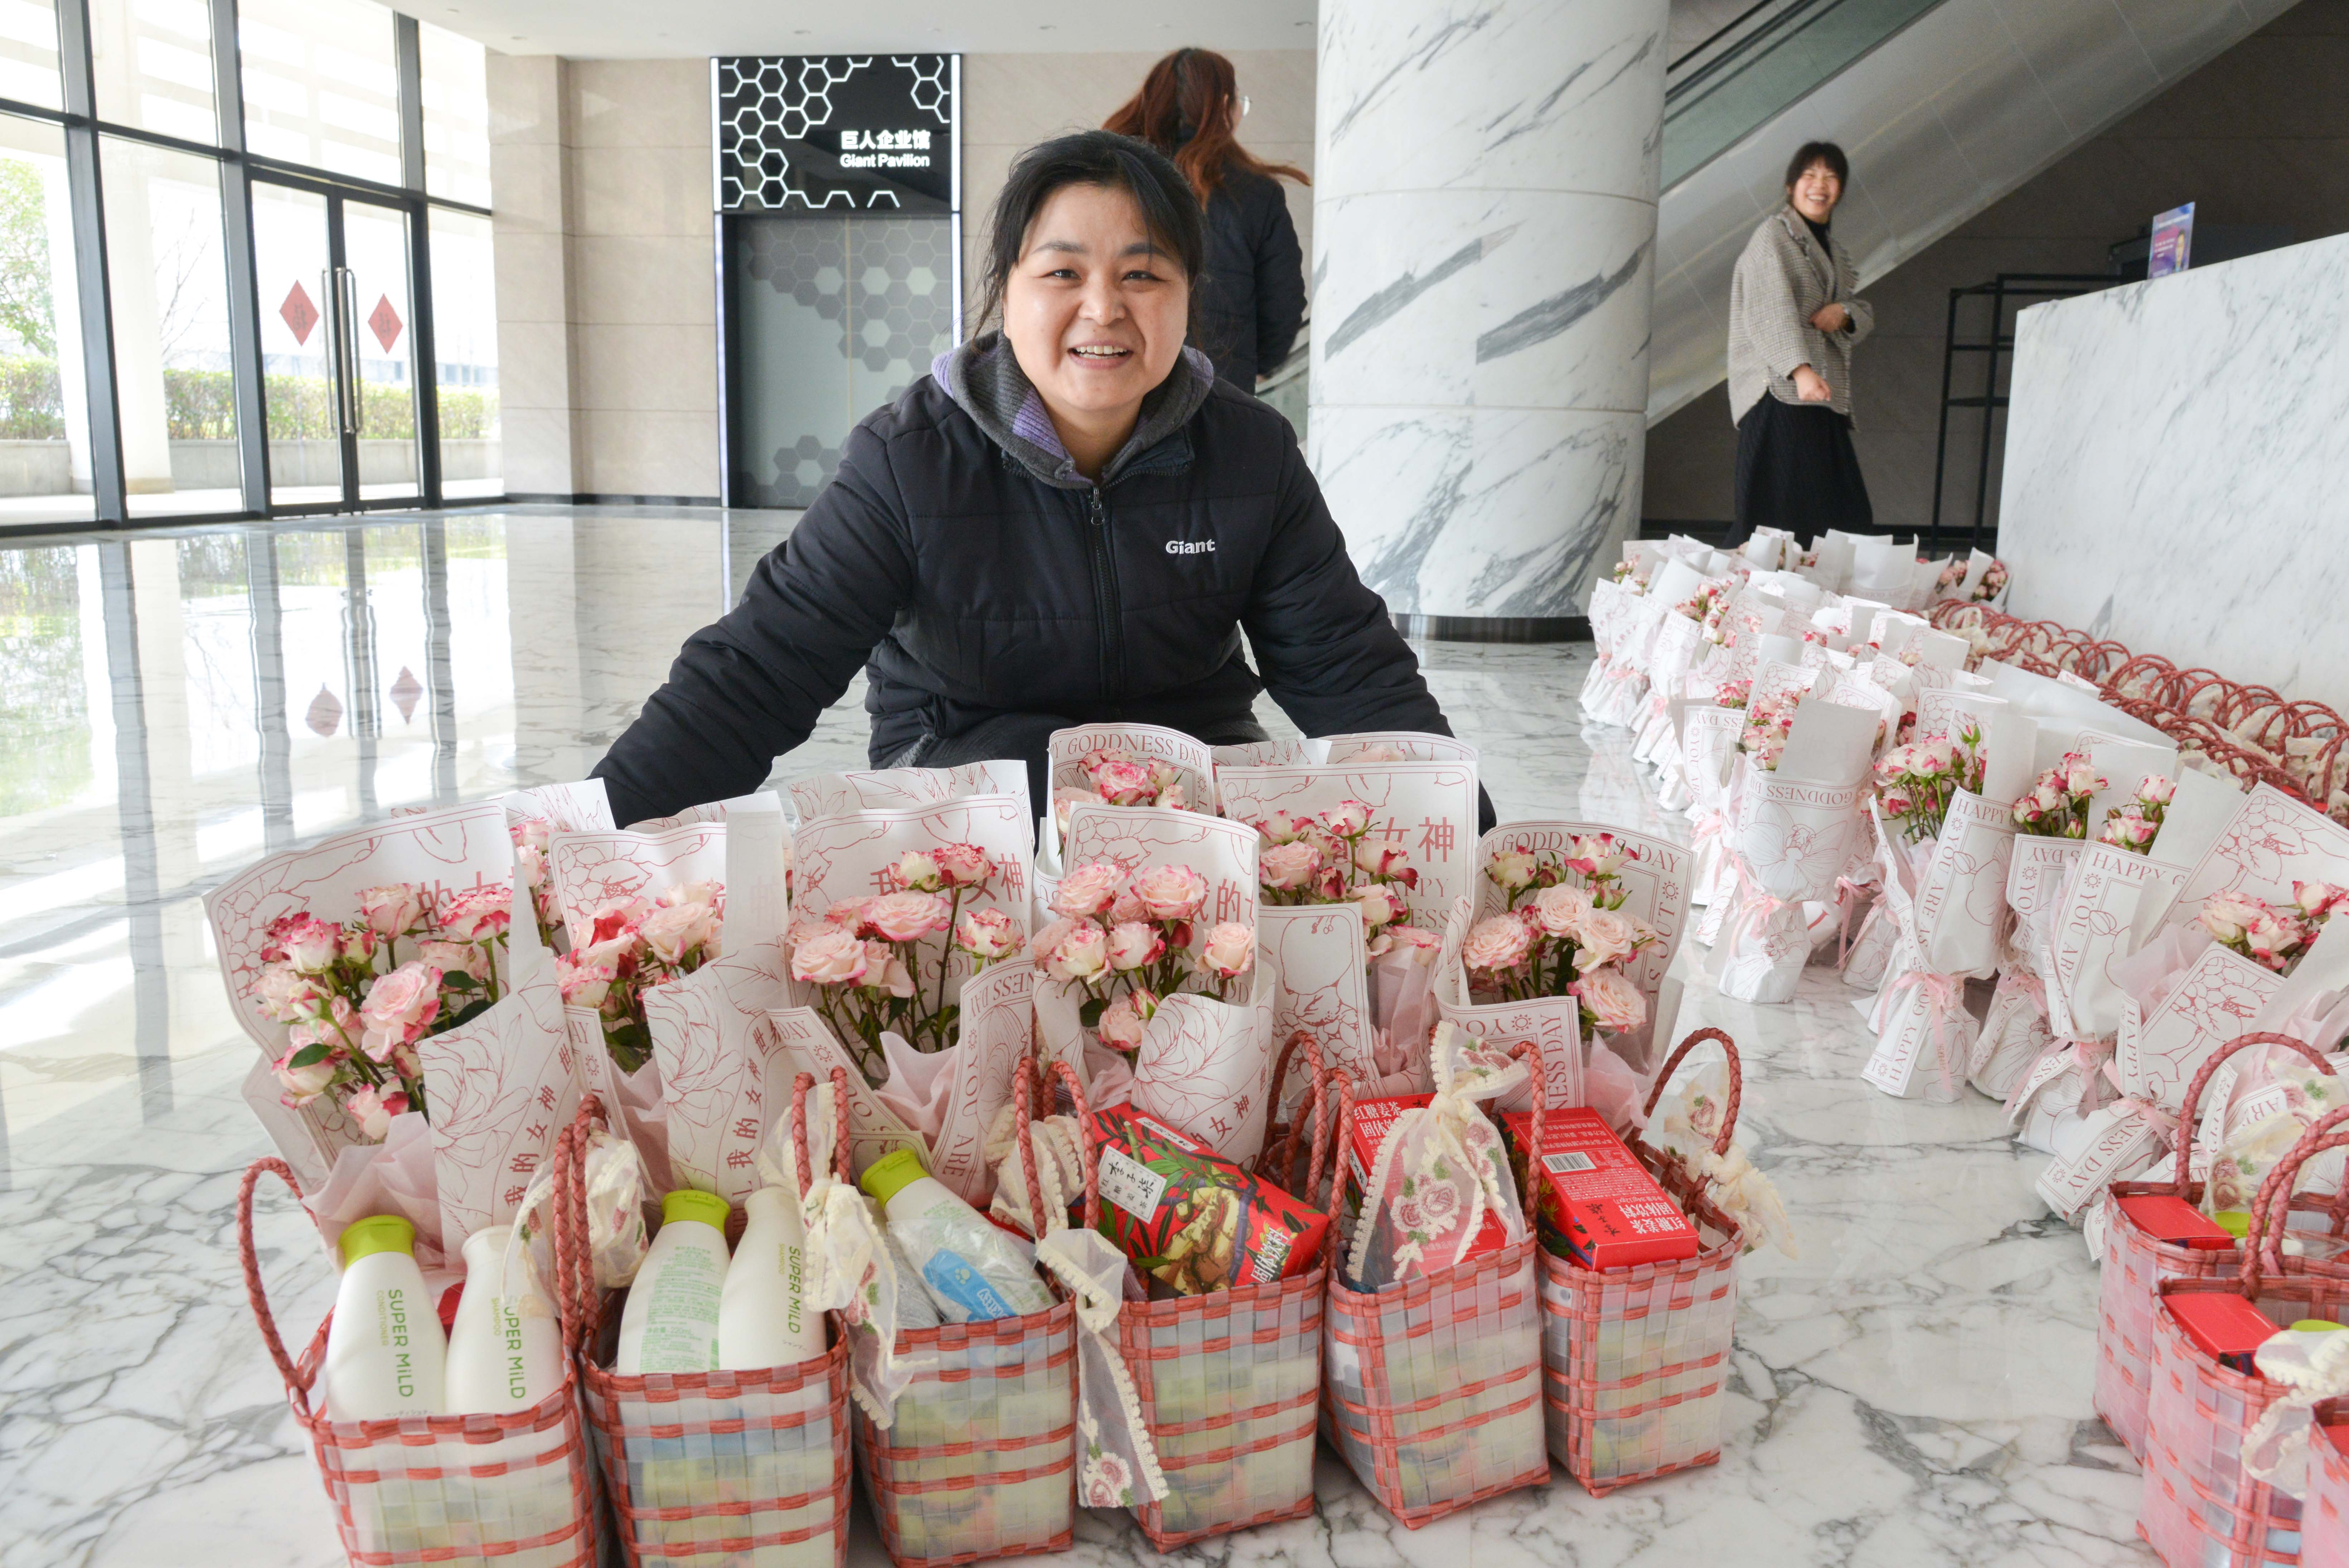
{"points": [[986, 382]]}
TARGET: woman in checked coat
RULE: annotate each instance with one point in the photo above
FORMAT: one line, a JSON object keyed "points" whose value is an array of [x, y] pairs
{"points": [[1793, 324]]}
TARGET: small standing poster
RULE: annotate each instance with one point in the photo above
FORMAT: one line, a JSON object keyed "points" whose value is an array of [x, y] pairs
{"points": [[2173, 243]]}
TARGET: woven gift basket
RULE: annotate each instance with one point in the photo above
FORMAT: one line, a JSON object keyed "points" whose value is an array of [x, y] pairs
{"points": [[2134, 1262], [2324, 1512], [980, 1457], [2200, 1505], [1228, 1381], [515, 1489], [738, 1469], [1431, 1388], [1634, 1360]]}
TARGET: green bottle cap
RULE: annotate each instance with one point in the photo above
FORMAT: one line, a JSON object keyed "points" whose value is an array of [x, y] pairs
{"points": [[2236, 1222], [891, 1174], [692, 1203], [376, 1233], [2316, 1325]]}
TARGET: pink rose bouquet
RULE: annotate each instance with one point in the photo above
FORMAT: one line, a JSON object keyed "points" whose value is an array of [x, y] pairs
{"points": [[1992, 583], [2057, 805], [1129, 942], [1732, 694], [1340, 858], [355, 1005], [883, 965], [635, 945], [2132, 826], [2272, 938], [1915, 783], [1563, 933], [1116, 778], [1768, 722]]}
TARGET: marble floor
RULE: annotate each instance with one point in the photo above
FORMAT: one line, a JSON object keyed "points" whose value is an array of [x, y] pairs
{"points": [[1914, 1389]]}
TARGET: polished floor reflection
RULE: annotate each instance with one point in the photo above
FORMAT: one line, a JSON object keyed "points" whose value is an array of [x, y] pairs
{"points": [[1914, 1388]]}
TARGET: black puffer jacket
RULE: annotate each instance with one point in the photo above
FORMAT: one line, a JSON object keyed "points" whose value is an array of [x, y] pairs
{"points": [[1252, 299], [961, 560]]}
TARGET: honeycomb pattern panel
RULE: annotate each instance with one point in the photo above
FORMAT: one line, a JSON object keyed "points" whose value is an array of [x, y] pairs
{"points": [[772, 153]]}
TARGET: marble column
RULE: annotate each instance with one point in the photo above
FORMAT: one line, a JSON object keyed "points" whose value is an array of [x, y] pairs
{"points": [[1484, 238]]}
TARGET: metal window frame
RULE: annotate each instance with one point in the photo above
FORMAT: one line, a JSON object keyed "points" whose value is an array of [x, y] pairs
{"points": [[86, 133]]}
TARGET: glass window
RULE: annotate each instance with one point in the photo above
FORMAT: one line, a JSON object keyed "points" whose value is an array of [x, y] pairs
{"points": [[29, 53], [173, 375], [456, 116], [152, 61], [321, 85], [45, 472], [465, 344]]}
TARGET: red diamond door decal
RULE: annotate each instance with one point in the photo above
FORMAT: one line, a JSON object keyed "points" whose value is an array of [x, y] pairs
{"points": [[299, 313], [325, 714], [385, 322]]}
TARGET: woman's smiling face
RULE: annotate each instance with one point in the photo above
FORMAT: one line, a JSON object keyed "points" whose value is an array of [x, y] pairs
{"points": [[1095, 311]]}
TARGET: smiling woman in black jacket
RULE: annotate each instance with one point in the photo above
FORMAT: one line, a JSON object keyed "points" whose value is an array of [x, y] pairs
{"points": [[1068, 521]]}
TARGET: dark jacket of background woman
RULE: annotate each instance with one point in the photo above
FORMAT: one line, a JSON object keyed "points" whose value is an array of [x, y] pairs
{"points": [[1252, 300]]}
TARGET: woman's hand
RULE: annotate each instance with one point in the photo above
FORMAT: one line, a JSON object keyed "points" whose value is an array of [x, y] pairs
{"points": [[1809, 385], [1831, 318]]}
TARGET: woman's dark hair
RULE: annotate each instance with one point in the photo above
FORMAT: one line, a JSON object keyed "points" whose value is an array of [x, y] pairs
{"points": [[1811, 152], [1184, 110], [1170, 213]]}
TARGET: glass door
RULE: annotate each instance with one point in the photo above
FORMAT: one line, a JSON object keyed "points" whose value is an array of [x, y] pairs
{"points": [[338, 359]]}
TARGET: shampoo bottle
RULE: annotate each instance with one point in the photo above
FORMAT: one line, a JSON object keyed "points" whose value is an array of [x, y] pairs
{"points": [[505, 1352], [763, 1319], [974, 1272], [670, 1324], [386, 1354]]}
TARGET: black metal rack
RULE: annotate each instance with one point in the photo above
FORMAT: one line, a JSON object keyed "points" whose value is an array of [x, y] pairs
{"points": [[2020, 288]]}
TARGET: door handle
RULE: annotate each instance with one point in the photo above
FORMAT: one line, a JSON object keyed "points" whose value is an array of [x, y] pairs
{"points": [[341, 287]]}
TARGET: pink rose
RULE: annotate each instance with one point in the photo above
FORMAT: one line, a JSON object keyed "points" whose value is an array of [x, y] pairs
{"points": [[1122, 782], [1348, 819], [1596, 854], [1379, 905], [1171, 892], [1127, 908], [1387, 860], [1612, 1000], [1560, 910], [673, 933], [608, 921], [455, 958], [834, 958], [1081, 955], [2316, 898], [848, 915], [397, 1007], [1412, 936], [1604, 937], [885, 972], [306, 1084], [285, 993], [2228, 917], [1049, 938], [906, 917], [1134, 944], [962, 865], [1288, 864], [1088, 890], [394, 910], [2155, 790], [1279, 827], [1124, 1021], [1496, 944], [478, 915], [311, 945], [583, 979], [919, 872], [1512, 871], [987, 935], [1172, 796], [373, 1111], [1230, 951], [530, 866]]}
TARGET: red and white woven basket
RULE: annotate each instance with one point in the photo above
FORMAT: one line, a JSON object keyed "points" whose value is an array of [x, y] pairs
{"points": [[979, 1458], [709, 1469], [2200, 1507], [2324, 1511], [1634, 1360], [2135, 1264], [1432, 1388], [515, 1489], [1229, 1381]]}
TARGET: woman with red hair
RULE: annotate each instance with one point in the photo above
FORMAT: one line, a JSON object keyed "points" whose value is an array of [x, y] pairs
{"points": [[1249, 305]]}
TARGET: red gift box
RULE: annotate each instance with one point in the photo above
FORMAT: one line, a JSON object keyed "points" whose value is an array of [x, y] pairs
{"points": [[2173, 1220], [2223, 1326], [1597, 1205], [1191, 1220]]}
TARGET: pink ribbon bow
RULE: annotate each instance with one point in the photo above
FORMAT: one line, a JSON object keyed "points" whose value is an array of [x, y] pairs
{"points": [[1945, 999]]}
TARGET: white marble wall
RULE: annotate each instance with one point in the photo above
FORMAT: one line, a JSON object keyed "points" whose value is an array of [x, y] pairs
{"points": [[2176, 457], [1485, 222]]}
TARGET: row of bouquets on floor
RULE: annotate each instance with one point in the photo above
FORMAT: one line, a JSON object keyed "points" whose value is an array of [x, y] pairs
{"points": [[2052, 905], [1195, 1006]]}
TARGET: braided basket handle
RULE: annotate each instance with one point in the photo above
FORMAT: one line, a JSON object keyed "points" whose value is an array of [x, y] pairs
{"points": [[2181, 1137], [297, 1382], [1525, 1051], [578, 1303], [2266, 1238], [1288, 1146], [1342, 1133], [1025, 1088], [801, 1086], [1736, 1083]]}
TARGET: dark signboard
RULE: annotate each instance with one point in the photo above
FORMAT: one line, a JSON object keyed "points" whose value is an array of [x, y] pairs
{"points": [[837, 133]]}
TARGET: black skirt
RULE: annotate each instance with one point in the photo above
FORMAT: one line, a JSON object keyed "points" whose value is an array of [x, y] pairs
{"points": [[1796, 470]]}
